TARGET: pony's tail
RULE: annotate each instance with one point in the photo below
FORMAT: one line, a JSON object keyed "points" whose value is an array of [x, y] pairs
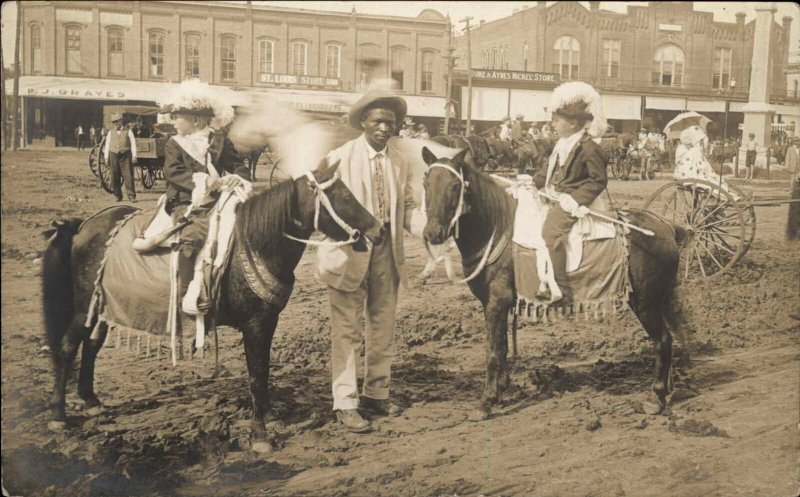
{"points": [[678, 314], [57, 286]]}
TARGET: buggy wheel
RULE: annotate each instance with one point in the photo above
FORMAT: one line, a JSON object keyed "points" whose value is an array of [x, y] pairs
{"points": [[148, 177], [715, 223], [94, 154], [104, 173], [272, 179], [749, 212]]}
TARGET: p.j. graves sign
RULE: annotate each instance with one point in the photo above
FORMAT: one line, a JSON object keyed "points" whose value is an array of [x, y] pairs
{"points": [[517, 76]]}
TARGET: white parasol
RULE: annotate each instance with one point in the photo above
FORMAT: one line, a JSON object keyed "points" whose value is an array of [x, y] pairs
{"points": [[685, 120]]}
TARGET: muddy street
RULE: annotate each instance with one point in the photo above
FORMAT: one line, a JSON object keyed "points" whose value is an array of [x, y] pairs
{"points": [[571, 424]]}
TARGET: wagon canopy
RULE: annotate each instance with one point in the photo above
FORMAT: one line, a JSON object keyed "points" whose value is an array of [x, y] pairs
{"points": [[128, 112]]}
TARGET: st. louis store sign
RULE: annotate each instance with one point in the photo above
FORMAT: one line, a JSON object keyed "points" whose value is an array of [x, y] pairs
{"points": [[297, 80]]}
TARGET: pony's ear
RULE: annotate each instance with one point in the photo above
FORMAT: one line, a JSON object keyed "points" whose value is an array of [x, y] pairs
{"points": [[333, 167], [428, 156], [459, 157]]}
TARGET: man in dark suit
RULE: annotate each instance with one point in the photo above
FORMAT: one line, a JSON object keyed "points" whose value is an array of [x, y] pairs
{"points": [[198, 162], [576, 172]]}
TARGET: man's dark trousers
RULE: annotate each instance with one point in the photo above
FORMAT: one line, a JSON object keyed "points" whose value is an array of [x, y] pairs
{"points": [[121, 169]]}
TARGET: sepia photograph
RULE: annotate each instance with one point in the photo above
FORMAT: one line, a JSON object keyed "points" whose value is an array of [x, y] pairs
{"points": [[400, 248]]}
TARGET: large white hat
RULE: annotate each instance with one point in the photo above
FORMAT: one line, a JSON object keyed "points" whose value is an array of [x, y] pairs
{"points": [[576, 99], [198, 98]]}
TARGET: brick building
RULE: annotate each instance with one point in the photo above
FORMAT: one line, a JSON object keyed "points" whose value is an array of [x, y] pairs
{"points": [[673, 56], [80, 55]]}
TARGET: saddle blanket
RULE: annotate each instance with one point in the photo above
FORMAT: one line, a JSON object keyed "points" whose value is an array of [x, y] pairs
{"points": [[600, 279]]}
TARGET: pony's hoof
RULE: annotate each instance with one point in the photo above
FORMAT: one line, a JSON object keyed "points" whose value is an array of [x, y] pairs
{"points": [[57, 426], [653, 406], [263, 448], [479, 414]]}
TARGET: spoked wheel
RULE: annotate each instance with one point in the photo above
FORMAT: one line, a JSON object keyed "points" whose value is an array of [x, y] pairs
{"points": [[148, 177], [749, 218], [104, 172], [94, 155], [273, 180], [714, 220]]}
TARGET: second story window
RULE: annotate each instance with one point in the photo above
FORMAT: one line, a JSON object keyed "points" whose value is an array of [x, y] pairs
{"points": [[333, 61], [299, 52], [668, 69], [156, 55], [116, 65], [722, 68], [228, 58], [398, 56], [426, 84], [192, 56], [566, 57], [36, 48], [611, 56], [266, 56], [73, 44]]}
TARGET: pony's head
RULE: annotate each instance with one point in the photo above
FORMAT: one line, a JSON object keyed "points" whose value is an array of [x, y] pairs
{"points": [[326, 204], [445, 188]]}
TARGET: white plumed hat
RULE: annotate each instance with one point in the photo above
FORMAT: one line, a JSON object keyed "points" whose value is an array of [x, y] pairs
{"points": [[198, 98], [576, 99]]}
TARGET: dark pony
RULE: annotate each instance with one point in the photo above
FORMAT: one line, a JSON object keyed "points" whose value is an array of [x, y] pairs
{"points": [[74, 254], [653, 266]]}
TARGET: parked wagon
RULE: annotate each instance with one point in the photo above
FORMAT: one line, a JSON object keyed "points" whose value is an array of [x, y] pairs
{"points": [[721, 223], [151, 138]]}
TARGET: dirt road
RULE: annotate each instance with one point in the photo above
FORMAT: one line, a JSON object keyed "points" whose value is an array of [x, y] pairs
{"points": [[570, 425]]}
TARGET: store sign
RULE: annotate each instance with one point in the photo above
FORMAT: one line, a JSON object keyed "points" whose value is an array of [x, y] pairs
{"points": [[296, 80], [54, 91], [532, 77]]}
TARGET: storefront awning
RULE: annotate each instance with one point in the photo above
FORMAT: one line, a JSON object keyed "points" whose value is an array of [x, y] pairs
{"points": [[488, 104], [624, 107], [705, 105], [101, 89], [531, 104], [665, 103]]}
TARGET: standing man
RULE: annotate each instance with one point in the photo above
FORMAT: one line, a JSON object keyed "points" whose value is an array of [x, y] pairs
{"points": [[505, 129], [792, 161], [516, 127], [380, 180], [750, 158], [79, 136], [120, 154], [93, 135]]}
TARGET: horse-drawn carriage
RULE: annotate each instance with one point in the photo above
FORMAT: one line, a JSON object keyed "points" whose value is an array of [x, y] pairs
{"points": [[151, 138]]}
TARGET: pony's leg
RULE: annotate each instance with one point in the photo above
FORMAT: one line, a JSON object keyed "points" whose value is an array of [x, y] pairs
{"points": [[426, 273], [88, 357], [448, 266], [497, 375], [257, 337], [654, 324], [69, 348]]}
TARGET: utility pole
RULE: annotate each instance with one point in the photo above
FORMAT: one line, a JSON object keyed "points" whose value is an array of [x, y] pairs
{"points": [[15, 115], [469, 75], [449, 102], [3, 102]]}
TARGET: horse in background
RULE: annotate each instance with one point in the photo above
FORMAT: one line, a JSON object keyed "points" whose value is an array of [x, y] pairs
{"points": [[488, 212]]}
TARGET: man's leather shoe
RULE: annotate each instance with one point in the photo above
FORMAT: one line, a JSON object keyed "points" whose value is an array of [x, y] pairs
{"points": [[352, 420], [380, 407]]}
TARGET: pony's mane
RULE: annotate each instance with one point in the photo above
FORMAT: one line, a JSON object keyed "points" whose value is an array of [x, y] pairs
{"points": [[263, 219], [490, 199]]}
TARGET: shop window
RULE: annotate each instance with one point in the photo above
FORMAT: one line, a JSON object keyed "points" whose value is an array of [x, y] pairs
{"points": [[73, 44], [369, 59], [116, 51], [266, 56], [333, 61], [722, 68], [398, 63], [36, 48], [427, 72], [192, 56], [566, 57], [669, 62], [156, 53], [228, 58], [299, 54], [611, 56]]}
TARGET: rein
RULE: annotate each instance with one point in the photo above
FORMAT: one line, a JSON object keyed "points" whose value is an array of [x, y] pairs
{"points": [[321, 200], [453, 227]]}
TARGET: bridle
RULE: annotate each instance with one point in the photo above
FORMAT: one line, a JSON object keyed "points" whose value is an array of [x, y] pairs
{"points": [[460, 210], [321, 200]]}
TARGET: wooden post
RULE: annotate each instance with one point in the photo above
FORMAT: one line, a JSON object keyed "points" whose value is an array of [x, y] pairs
{"points": [[769, 153], [15, 110], [469, 75], [449, 92]]}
